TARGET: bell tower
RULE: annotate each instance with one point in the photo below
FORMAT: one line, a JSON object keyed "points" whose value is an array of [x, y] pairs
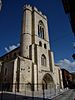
{"points": [[40, 28], [35, 48], [34, 29]]}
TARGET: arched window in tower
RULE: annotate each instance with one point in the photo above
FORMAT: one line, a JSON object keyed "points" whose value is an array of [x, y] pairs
{"points": [[41, 29], [43, 60]]}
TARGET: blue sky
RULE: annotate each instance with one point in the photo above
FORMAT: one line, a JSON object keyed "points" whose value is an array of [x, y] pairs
{"points": [[60, 33]]}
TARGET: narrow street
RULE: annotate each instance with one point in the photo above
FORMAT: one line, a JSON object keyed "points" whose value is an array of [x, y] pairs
{"points": [[69, 95]]}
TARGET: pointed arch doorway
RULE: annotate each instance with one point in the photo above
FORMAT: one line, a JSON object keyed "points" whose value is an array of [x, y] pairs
{"points": [[47, 81]]}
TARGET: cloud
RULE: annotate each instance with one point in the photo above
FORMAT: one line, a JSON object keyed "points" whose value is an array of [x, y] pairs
{"points": [[10, 48], [6, 49], [67, 64]]}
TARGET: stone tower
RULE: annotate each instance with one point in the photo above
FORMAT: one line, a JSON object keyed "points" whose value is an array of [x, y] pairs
{"points": [[36, 61]]}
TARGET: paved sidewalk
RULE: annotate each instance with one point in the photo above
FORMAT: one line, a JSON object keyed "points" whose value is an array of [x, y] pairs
{"points": [[66, 95], [57, 94]]}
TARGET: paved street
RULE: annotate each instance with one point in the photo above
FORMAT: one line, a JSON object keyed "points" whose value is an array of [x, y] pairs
{"points": [[69, 95]]}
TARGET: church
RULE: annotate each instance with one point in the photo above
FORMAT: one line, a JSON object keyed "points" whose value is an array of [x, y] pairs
{"points": [[31, 65]]}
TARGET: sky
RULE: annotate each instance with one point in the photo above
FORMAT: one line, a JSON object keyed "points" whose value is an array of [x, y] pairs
{"points": [[61, 37]]}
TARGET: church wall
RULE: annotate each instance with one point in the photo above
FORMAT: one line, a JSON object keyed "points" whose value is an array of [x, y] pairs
{"points": [[41, 51], [15, 72], [42, 70], [58, 77], [7, 75], [42, 41], [9, 67], [25, 73], [11, 55]]}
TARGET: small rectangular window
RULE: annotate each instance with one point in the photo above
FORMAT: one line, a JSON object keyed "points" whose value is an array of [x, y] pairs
{"points": [[45, 46]]}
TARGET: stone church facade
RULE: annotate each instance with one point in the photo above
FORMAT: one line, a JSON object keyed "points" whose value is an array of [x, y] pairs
{"points": [[31, 65]]}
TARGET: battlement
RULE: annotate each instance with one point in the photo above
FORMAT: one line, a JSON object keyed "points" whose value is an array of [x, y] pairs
{"points": [[40, 12], [35, 9], [27, 7]]}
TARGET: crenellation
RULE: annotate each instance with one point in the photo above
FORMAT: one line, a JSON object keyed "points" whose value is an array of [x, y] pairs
{"points": [[38, 11], [45, 17], [35, 9], [27, 7]]}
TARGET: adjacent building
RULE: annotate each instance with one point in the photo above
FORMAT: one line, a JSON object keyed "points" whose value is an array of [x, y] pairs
{"points": [[67, 78], [73, 77]]}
